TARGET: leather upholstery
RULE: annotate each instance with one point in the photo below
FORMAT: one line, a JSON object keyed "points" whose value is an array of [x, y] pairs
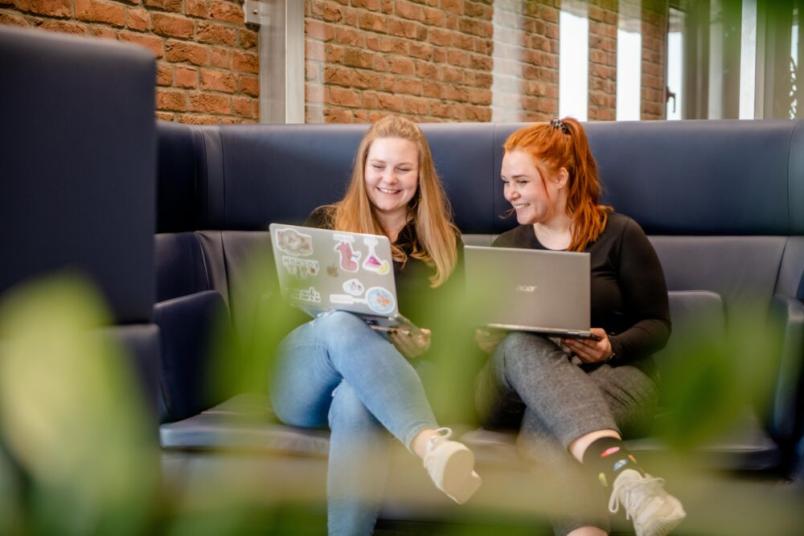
{"points": [[189, 323], [181, 266], [77, 176], [77, 161], [178, 148]]}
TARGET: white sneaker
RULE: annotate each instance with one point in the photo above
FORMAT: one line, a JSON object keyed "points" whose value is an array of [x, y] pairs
{"points": [[653, 511], [450, 465]]}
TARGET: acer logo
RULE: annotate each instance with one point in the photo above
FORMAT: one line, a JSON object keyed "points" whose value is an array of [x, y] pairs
{"points": [[526, 288]]}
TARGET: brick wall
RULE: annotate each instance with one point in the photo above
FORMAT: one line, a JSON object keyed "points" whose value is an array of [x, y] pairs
{"points": [[654, 58], [207, 63], [429, 59], [432, 60], [464, 60], [603, 15]]}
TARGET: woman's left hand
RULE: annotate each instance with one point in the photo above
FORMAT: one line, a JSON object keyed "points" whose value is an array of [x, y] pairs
{"points": [[411, 344], [591, 350]]}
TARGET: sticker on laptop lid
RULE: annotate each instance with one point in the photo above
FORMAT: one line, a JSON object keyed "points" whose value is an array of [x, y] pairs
{"points": [[292, 242], [309, 295], [301, 268], [344, 299], [353, 287], [380, 300], [349, 258], [373, 263]]}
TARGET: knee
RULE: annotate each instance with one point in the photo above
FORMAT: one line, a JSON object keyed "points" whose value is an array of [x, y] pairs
{"points": [[337, 321], [339, 327], [347, 412], [520, 349]]}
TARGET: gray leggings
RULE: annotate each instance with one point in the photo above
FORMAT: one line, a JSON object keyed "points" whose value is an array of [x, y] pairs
{"points": [[530, 378]]}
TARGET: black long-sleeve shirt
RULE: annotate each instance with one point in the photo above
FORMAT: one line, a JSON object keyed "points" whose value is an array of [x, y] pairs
{"points": [[628, 290]]}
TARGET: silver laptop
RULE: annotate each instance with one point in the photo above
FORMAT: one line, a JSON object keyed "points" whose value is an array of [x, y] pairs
{"points": [[322, 270], [530, 290]]}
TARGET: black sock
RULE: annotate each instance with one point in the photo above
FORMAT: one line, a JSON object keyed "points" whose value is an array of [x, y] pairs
{"points": [[607, 457]]}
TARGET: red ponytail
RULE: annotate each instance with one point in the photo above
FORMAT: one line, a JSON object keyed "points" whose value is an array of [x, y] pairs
{"points": [[563, 143]]}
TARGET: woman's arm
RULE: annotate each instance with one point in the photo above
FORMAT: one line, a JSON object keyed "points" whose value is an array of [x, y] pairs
{"points": [[644, 290]]}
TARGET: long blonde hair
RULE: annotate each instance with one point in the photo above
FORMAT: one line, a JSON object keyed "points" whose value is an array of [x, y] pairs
{"points": [[436, 235], [563, 143]]}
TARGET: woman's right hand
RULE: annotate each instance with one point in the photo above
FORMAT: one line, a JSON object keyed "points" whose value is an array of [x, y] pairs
{"points": [[488, 339], [411, 344]]}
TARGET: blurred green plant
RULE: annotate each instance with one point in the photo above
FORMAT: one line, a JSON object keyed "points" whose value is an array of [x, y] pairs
{"points": [[79, 455], [71, 417], [715, 373]]}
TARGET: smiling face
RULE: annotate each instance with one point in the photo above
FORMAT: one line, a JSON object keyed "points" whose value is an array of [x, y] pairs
{"points": [[534, 197], [392, 176]]}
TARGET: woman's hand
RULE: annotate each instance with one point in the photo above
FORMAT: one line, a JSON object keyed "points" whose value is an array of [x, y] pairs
{"points": [[591, 350], [488, 339], [411, 344]]}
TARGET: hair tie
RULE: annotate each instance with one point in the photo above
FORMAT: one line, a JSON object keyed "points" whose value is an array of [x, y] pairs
{"points": [[558, 123]]}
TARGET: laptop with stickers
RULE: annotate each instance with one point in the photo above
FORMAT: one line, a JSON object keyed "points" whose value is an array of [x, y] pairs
{"points": [[322, 270], [541, 291]]}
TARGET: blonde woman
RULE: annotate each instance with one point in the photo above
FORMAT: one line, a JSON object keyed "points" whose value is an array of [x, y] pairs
{"points": [[336, 370]]}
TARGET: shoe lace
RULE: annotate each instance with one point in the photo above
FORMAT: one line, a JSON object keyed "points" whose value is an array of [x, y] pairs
{"points": [[634, 492]]}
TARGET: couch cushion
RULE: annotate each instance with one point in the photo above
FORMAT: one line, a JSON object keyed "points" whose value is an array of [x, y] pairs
{"points": [[180, 155], [188, 325], [703, 177], [741, 269], [243, 423], [791, 273], [181, 266], [257, 174]]}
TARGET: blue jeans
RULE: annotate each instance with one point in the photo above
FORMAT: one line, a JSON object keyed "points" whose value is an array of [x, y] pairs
{"points": [[336, 370]]}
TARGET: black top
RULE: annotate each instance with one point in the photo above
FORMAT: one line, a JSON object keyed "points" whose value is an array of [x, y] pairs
{"points": [[628, 290], [425, 306]]}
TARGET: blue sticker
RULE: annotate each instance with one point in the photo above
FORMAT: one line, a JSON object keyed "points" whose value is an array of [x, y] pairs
{"points": [[380, 300]]}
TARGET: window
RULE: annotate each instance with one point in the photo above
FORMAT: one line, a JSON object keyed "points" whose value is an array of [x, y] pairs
{"points": [[675, 65], [748, 59], [629, 61], [573, 61]]}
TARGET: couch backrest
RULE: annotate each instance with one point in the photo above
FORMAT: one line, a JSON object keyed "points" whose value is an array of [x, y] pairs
{"points": [[77, 175], [723, 201], [77, 161]]}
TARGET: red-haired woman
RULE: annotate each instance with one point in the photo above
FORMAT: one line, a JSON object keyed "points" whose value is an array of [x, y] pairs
{"points": [[335, 370], [578, 394]]}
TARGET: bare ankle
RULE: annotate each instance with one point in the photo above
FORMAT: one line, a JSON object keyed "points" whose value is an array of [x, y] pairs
{"points": [[419, 443], [588, 531]]}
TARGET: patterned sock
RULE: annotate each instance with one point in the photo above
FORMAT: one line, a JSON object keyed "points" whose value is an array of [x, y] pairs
{"points": [[607, 457]]}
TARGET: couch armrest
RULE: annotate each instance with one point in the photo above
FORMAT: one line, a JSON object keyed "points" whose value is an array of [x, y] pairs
{"points": [[188, 325], [788, 415], [141, 342]]}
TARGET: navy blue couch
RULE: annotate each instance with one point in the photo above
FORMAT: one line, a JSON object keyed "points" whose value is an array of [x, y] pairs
{"points": [[722, 202], [77, 177]]}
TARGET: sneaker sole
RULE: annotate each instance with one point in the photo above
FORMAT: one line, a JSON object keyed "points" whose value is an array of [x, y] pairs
{"points": [[663, 527], [468, 488], [455, 475]]}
